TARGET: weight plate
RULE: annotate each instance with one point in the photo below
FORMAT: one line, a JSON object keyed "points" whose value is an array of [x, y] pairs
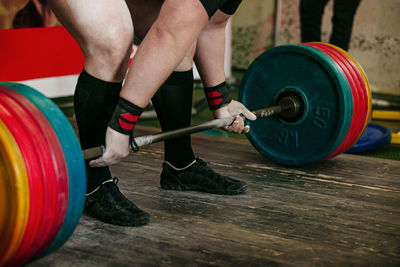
{"points": [[14, 195], [323, 87], [54, 174], [357, 120], [375, 136], [22, 135], [366, 84], [350, 133], [362, 89], [73, 157]]}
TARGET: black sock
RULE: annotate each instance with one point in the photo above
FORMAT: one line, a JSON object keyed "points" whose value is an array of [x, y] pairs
{"points": [[173, 104], [94, 103]]}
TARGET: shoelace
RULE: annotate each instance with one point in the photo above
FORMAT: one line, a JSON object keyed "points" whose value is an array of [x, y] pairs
{"points": [[115, 180]]}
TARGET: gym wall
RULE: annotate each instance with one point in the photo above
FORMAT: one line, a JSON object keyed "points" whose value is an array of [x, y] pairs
{"points": [[375, 41]]}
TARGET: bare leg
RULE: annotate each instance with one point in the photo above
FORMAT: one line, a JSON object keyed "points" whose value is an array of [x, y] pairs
{"points": [[211, 48], [209, 60], [103, 31], [163, 48]]}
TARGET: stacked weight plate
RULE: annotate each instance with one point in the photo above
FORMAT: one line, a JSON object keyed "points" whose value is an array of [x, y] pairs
{"points": [[335, 95], [360, 92], [44, 169]]}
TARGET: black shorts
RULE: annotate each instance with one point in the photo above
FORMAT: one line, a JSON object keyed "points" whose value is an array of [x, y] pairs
{"points": [[227, 6]]}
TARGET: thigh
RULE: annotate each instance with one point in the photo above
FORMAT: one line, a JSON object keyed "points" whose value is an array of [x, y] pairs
{"points": [[144, 13], [93, 21]]}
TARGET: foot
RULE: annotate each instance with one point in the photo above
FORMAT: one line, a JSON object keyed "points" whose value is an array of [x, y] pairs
{"points": [[199, 177], [107, 204]]}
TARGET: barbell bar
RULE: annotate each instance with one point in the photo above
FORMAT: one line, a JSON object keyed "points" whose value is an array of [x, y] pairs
{"points": [[290, 106]]}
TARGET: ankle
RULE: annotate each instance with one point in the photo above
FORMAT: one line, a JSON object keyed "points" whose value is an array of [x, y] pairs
{"points": [[98, 187]]}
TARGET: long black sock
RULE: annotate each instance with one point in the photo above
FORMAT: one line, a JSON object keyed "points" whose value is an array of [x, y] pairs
{"points": [[94, 103], [173, 104]]}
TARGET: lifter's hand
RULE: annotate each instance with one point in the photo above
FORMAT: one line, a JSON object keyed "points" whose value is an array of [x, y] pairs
{"points": [[235, 108], [117, 148]]}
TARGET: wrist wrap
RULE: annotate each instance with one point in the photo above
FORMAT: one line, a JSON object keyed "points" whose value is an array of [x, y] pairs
{"points": [[217, 96], [125, 116]]}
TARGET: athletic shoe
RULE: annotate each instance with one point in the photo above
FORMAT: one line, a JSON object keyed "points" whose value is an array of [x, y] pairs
{"points": [[199, 177], [107, 204]]}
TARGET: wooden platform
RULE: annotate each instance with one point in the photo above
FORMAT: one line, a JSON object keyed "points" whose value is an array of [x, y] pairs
{"points": [[345, 211]]}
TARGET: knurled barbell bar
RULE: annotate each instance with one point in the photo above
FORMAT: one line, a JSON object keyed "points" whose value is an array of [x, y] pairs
{"points": [[290, 107], [318, 103]]}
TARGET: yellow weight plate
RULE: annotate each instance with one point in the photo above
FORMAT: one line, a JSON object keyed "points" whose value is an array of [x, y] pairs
{"points": [[366, 85], [14, 195]]}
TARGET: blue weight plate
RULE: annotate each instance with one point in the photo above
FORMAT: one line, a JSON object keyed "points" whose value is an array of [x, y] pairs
{"points": [[73, 158], [375, 136], [326, 92]]}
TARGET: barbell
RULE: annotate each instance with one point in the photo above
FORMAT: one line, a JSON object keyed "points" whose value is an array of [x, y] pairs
{"points": [[318, 104], [289, 106]]}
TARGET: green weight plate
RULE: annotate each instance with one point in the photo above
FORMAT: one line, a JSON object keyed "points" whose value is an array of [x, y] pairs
{"points": [[322, 86]]}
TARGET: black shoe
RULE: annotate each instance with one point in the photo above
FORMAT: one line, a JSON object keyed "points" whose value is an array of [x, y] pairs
{"points": [[108, 205], [199, 177]]}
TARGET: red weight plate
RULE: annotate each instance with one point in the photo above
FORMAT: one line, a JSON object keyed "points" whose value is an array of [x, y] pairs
{"points": [[356, 121], [54, 177], [351, 134], [34, 168], [363, 87], [362, 110]]}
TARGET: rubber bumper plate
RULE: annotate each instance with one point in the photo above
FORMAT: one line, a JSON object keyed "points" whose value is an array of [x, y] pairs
{"points": [[327, 98]]}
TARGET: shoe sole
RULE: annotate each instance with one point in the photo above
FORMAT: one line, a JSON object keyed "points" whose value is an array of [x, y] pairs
{"points": [[139, 221], [185, 187]]}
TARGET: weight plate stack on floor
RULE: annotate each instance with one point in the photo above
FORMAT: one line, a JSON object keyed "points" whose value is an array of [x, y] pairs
{"points": [[33, 168], [354, 122], [73, 157], [359, 70], [360, 86], [320, 83], [358, 93], [14, 195], [47, 173]]}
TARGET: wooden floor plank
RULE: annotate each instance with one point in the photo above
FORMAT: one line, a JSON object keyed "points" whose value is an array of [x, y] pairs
{"points": [[344, 211]]}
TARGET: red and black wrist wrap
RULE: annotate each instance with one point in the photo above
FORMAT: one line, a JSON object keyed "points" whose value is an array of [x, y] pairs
{"points": [[217, 96], [125, 116]]}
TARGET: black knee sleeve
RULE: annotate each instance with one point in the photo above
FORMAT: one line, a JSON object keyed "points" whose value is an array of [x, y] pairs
{"points": [[173, 104], [94, 103]]}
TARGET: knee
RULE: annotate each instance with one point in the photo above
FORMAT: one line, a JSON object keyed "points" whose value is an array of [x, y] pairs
{"points": [[113, 45]]}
